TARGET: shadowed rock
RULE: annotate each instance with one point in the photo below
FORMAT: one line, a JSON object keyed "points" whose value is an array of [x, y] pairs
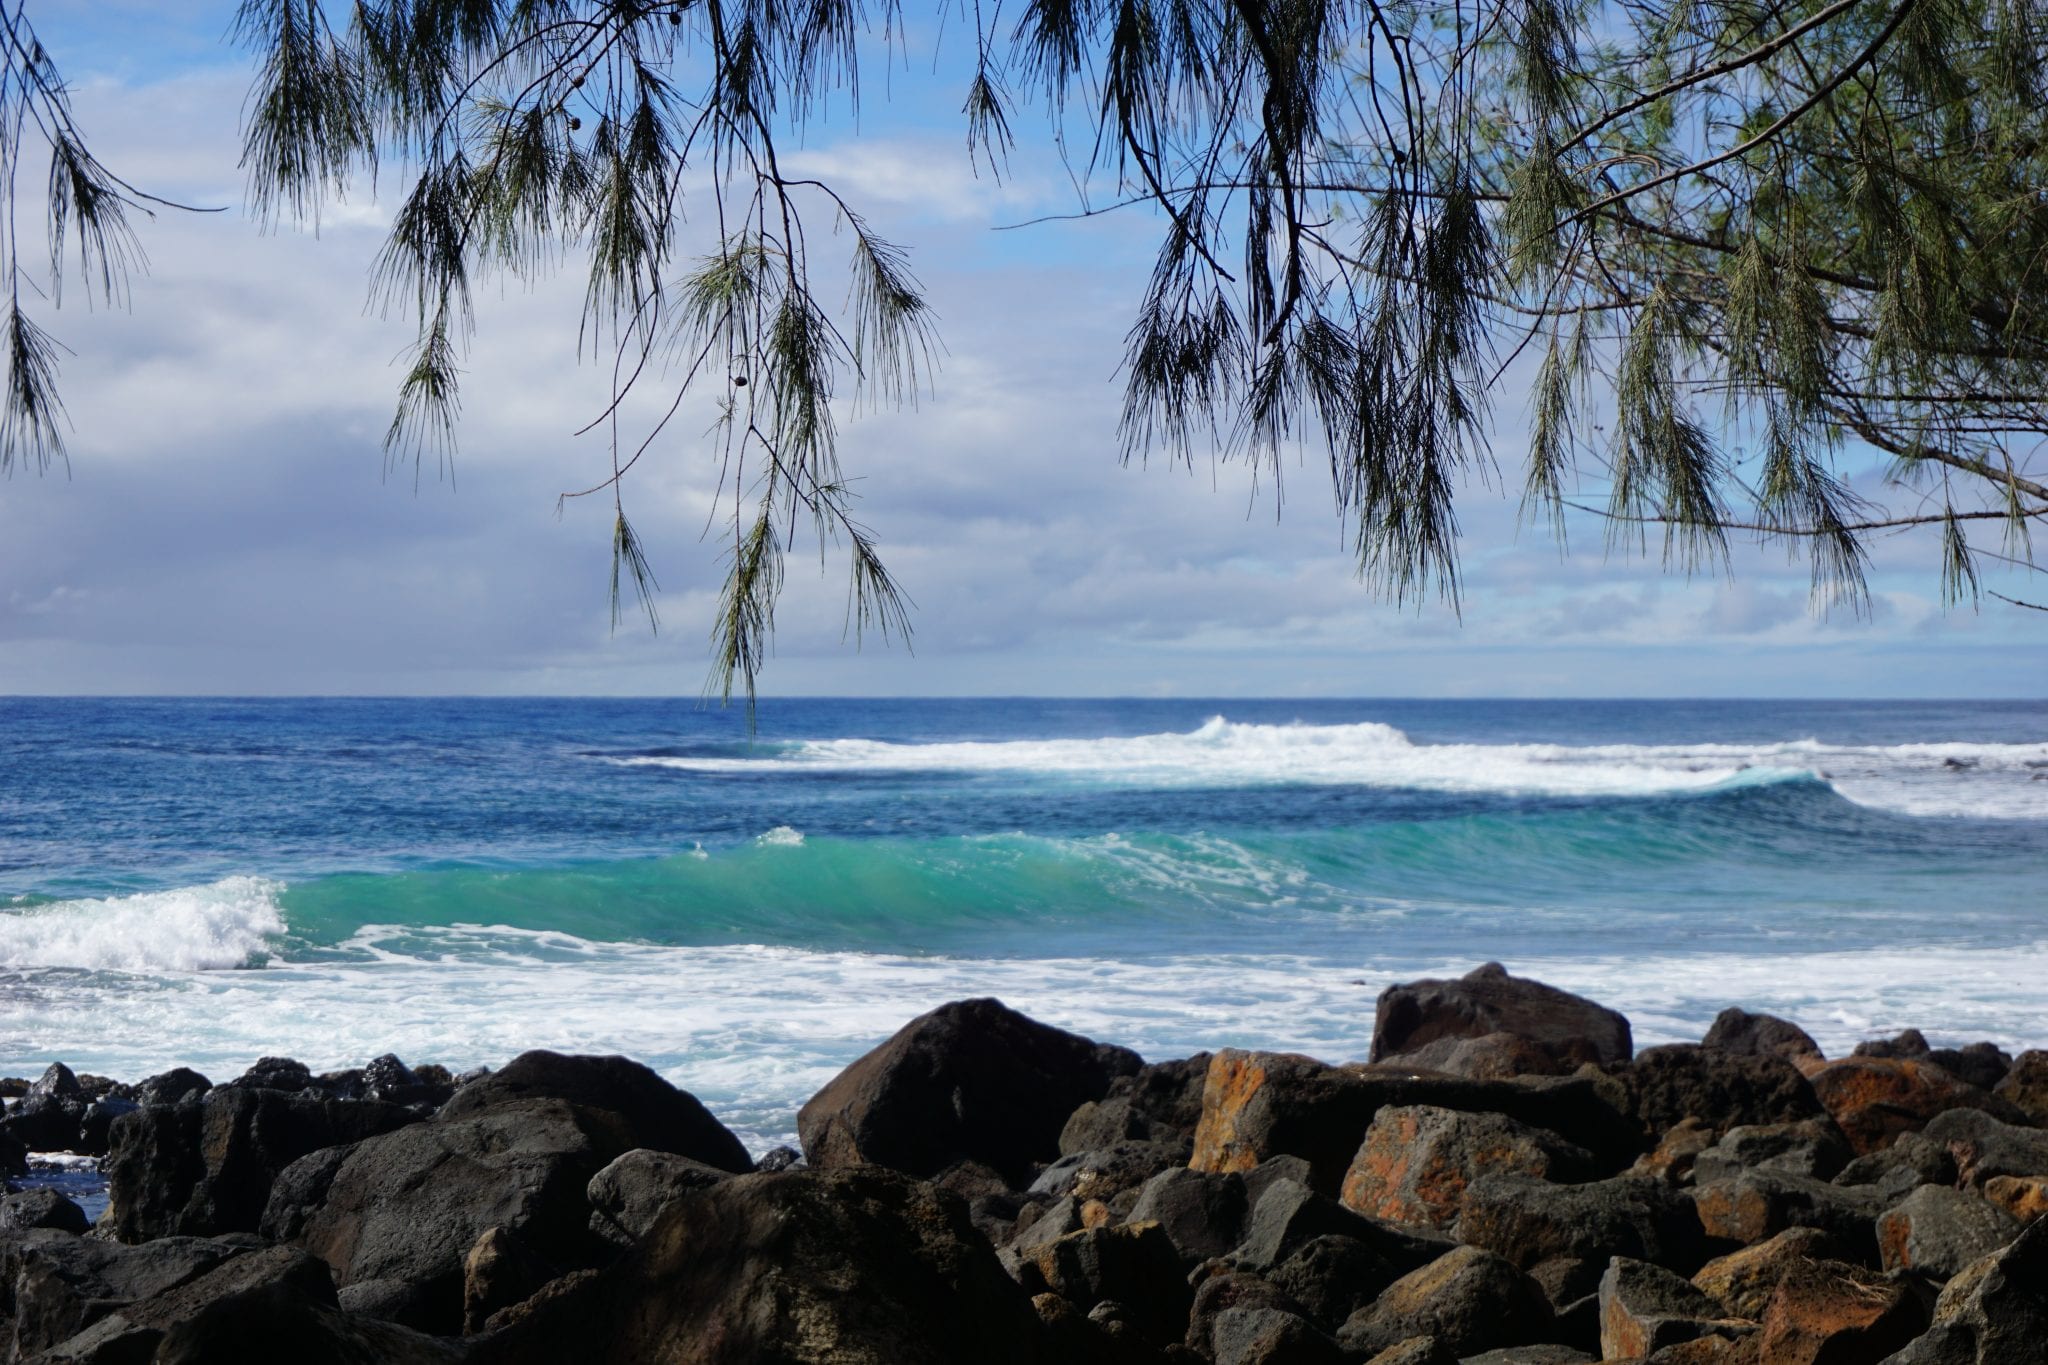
{"points": [[1487, 1000]]}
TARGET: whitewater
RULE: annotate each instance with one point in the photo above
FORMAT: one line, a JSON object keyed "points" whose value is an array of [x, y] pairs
{"points": [[205, 882]]}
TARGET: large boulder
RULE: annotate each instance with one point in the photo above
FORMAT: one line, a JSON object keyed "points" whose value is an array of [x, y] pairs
{"points": [[1758, 1035], [1742, 1282], [1470, 1300], [205, 1167], [1938, 1232], [1530, 1221], [1201, 1213], [1994, 1313], [1133, 1265], [2025, 1086], [279, 1321], [973, 1080], [656, 1114], [1832, 1313], [1259, 1105], [1416, 1160], [399, 1212], [1645, 1308], [46, 1118], [1813, 1148], [628, 1196], [1719, 1088], [1487, 1000], [1875, 1099], [61, 1284], [133, 1331], [1984, 1147], [1160, 1102], [1752, 1205], [846, 1267]]}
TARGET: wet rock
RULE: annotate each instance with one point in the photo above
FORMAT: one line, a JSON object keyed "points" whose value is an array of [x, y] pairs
{"points": [[1994, 1313], [1530, 1221], [1488, 1000], [1742, 1282], [969, 1080], [1813, 1148], [1748, 1207], [2025, 1086], [656, 1114], [1469, 1299], [204, 1167], [779, 1159], [96, 1124], [1719, 1088], [855, 1267], [1874, 1099], [630, 1193], [275, 1073], [1758, 1035], [1984, 1147], [1644, 1308], [1830, 1313], [1201, 1214], [1937, 1231], [1416, 1161], [25, 1209]]}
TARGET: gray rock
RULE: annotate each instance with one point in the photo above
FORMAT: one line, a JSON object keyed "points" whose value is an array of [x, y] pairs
{"points": [[1644, 1308], [1288, 1215], [1994, 1313], [1984, 1147], [1269, 1336], [1469, 1299], [1813, 1148], [1912, 1159], [1202, 1214], [62, 1283], [1529, 1221], [629, 1194], [1332, 1277], [1739, 1031], [280, 1322], [1937, 1231], [24, 1209], [134, 1332], [1489, 1000]]}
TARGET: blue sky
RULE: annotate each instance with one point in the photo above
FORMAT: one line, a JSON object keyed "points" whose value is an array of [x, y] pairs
{"points": [[228, 526]]}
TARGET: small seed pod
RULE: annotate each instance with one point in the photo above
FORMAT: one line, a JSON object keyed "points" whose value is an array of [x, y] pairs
{"points": [[739, 381]]}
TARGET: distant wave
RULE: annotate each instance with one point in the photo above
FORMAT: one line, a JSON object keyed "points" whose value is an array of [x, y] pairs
{"points": [[224, 924], [1985, 781]]}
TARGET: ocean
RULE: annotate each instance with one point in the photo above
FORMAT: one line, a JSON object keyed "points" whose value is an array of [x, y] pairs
{"points": [[205, 881]]}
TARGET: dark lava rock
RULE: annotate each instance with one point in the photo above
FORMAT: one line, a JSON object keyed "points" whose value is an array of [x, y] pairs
{"points": [[627, 1196], [2025, 1086], [1758, 1035], [851, 1267], [1937, 1232], [1109, 1171], [1985, 1147], [1874, 1099], [1813, 1148], [1133, 1265], [971, 1080], [1530, 1221], [1912, 1159], [1489, 1057], [1994, 1313], [1416, 1160], [1160, 1102], [26, 1209], [96, 1124], [203, 1168], [1742, 1282], [1469, 1299], [779, 1159], [275, 1073], [171, 1086], [46, 1119], [1288, 1215], [1983, 1065], [61, 1284], [1755, 1204], [1332, 1277], [135, 1331], [1488, 1000], [401, 1210], [1908, 1045], [280, 1322], [1824, 1312], [655, 1113], [1719, 1088], [1644, 1308], [1202, 1214], [1269, 1336]]}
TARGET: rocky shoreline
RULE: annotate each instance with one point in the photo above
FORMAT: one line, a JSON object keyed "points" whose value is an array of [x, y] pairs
{"points": [[1506, 1181]]}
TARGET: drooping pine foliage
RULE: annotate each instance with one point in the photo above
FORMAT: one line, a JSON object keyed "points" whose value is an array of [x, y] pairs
{"points": [[1735, 247]]}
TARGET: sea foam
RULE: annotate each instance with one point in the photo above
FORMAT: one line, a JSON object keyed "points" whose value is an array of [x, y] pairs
{"points": [[224, 924], [1984, 781]]}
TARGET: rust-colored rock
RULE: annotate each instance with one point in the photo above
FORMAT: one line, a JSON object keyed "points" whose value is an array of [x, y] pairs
{"points": [[1937, 1231], [1742, 1282], [1416, 1161], [1832, 1313], [2025, 1197], [1874, 1099], [1261, 1104], [1753, 1205], [1645, 1308], [1672, 1158]]}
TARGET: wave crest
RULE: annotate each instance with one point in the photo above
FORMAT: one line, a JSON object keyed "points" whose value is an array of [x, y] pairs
{"points": [[219, 926]]}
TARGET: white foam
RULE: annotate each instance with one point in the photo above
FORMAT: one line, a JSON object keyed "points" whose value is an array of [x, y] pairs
{"points": [[782, 836], [1996, 781], [190, 929], [754, 1031]]}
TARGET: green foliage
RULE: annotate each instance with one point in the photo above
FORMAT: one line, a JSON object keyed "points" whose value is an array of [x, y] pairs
{"points": [[1741, 246]]}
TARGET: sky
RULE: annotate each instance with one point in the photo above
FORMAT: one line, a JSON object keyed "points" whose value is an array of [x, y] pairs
{"points": [[228, 525]]}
